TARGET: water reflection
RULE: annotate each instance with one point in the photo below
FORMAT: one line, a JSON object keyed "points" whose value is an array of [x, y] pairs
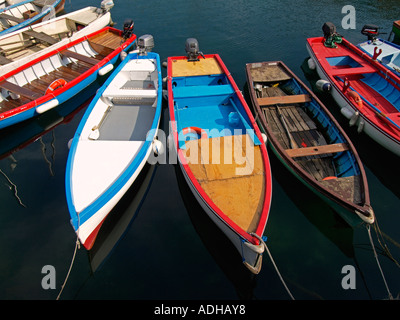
{"points": [[120, 218]]}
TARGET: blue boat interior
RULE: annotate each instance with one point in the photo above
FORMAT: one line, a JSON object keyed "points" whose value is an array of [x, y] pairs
{"points": [[209, 103], [384, 88], [344, 163], [343, 62]]}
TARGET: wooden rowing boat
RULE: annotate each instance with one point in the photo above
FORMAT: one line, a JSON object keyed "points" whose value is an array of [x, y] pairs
{"points": [[113, 142], [23, 45], [308, 140], [52, 79], [367, 93], [27, 12], [220, 151]]}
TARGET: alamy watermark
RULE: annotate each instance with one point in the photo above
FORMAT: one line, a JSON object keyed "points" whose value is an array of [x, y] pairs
{"points": [[349, 280], [228, 147], [349, 20]]}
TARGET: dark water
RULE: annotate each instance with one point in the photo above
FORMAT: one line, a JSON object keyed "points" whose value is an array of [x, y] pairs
{"points": [[168, 248]]}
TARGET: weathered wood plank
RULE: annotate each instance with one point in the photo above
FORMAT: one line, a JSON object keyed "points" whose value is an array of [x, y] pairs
{"points": [[317, 150], [19, 90], [290, 99], [78, 56]]}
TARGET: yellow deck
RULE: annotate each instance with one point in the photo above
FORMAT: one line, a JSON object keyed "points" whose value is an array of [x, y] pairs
{"points": [[184, 68], [233, 179]]}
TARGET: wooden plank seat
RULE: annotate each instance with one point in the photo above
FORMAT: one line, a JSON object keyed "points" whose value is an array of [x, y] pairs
{"points": [[40, 36], [19, 90], [289, 99], [351, 71], [11, 18], [317, 150], [78, 56]]}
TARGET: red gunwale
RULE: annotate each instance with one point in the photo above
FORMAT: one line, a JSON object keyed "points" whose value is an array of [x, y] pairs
{"points": [[50, 96], [267, 171]]}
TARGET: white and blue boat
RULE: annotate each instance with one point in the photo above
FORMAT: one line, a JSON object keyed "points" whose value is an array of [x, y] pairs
{"points": [[386, 52], [24, 13], [114, 140]]}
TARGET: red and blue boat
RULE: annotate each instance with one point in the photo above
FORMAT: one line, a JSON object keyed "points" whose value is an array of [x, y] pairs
{"points": [[367, 93], [51, 79], [220, 149]]}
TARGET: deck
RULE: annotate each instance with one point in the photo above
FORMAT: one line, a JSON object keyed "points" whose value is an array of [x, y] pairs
{"points": [[184, 68], [230, 171]]}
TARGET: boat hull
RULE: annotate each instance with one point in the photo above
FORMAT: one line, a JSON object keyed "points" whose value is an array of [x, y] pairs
{"points": [[218, 190]]}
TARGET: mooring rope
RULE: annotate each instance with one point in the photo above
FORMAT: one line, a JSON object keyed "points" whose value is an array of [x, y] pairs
{"points": [[380, 235], [77, 246], [274, 264], [13, 186], [377, 261]]}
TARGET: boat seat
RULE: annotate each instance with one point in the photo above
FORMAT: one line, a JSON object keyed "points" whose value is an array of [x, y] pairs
{"points": [[11, 18], [78, 56], [289, 99], [199, 91], [126, 93], [317, 150], [9, 86], [351, 71]]}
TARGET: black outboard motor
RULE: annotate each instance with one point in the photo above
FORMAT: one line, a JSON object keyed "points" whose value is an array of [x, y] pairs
{"points": [[330, 35], [371, 31], [192, 49], [127, 30], [328, 29]]}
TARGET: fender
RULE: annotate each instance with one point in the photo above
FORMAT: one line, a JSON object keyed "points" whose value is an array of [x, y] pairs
{"points": [[357, 100]]}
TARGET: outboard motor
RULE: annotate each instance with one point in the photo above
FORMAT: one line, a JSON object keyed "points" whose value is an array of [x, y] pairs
{"points": [[107, 5], [192, 49], [371, 31], [127, 30], [145, 43], [330, 35]]}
